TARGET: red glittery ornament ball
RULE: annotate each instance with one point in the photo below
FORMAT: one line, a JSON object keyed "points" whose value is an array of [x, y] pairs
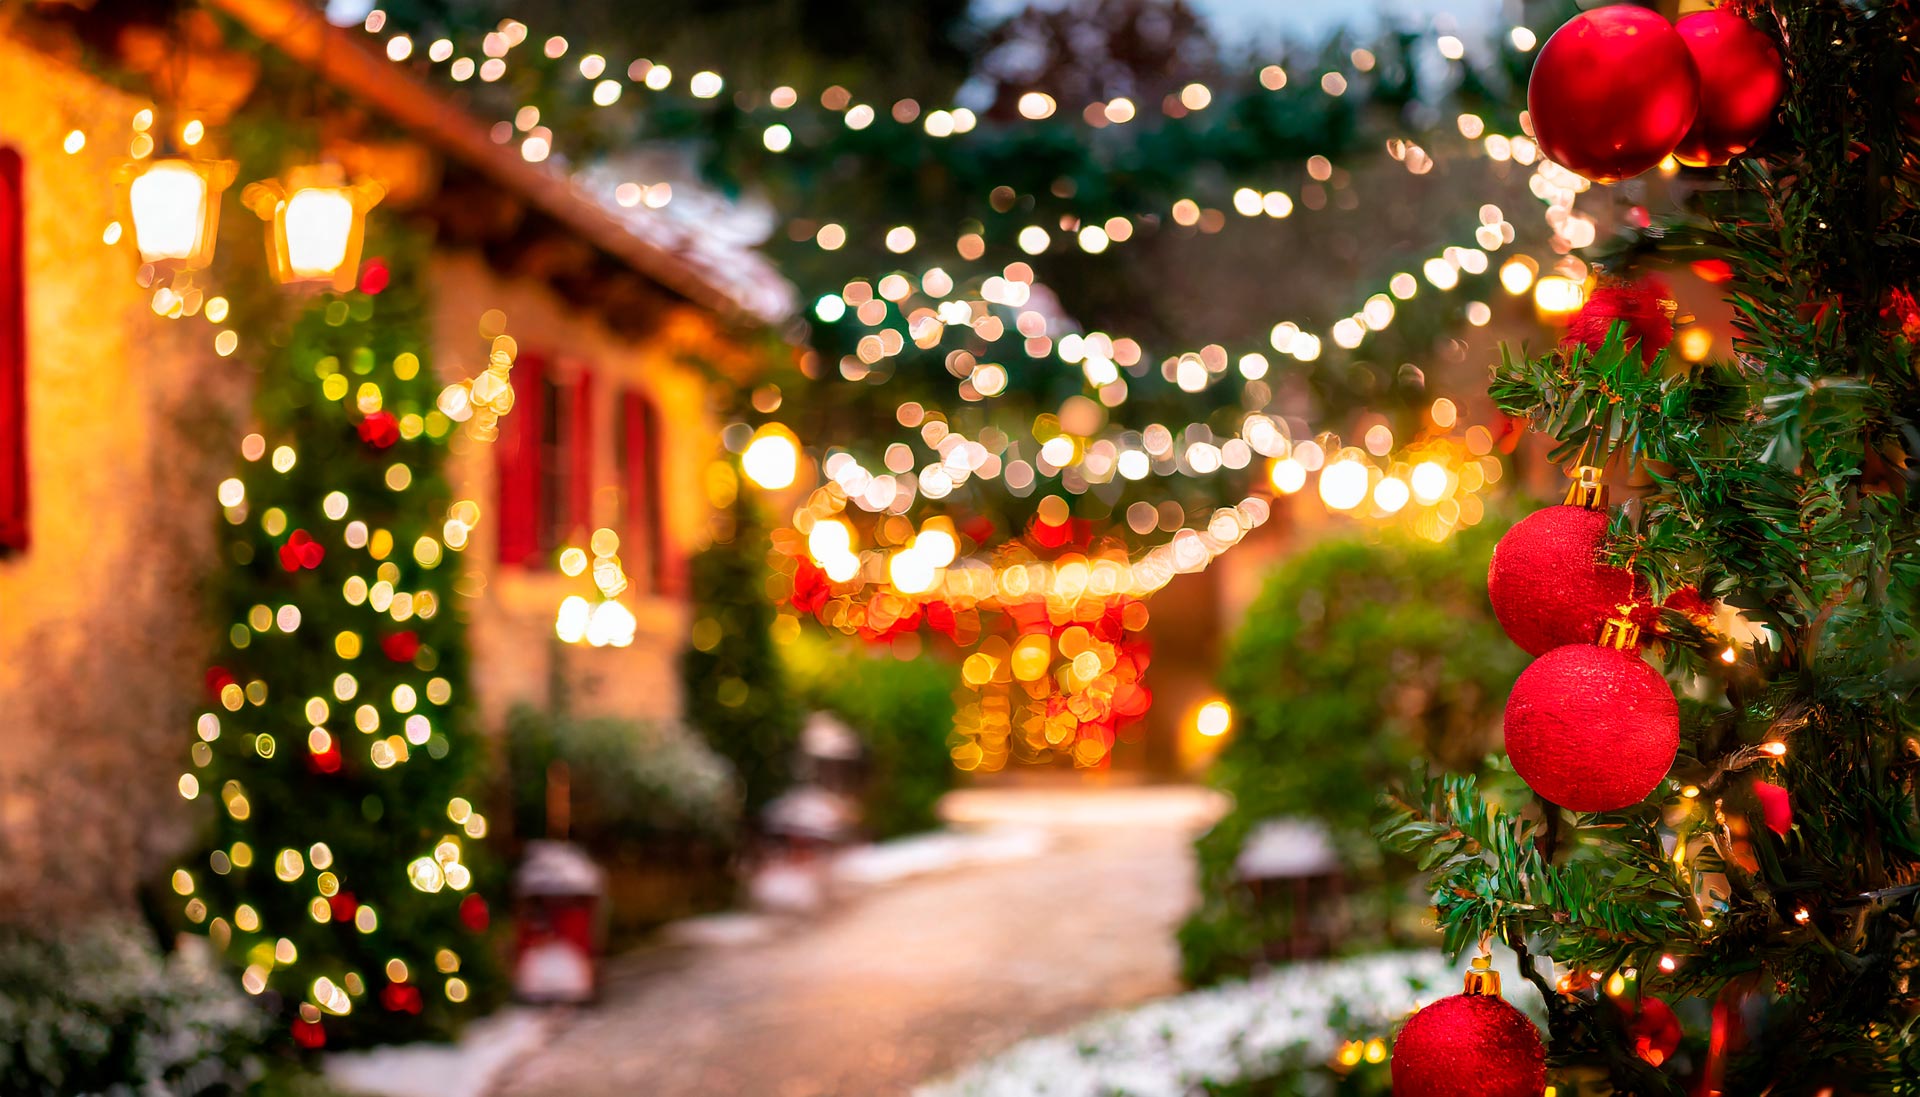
{"points": [[1469, 1045], [1612, 92], [1592, 728], [1547, 584], [1741, 82], [1646, 307]]}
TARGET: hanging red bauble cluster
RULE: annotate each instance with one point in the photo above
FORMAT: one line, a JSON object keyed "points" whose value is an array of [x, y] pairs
{"points": [[1473, 1044], [1613, 91], [1741, 82], [1589, 726], [1618, 89]]}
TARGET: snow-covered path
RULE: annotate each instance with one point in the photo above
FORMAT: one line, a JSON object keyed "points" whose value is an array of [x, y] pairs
{"points": [[907, 979]]}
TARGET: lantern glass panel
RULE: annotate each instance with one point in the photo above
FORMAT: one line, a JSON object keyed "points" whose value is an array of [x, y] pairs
{"points": [[169, 203]]}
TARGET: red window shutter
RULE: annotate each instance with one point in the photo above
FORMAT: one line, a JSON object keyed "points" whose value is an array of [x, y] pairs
{"points": [[579, 453], [13, 355], [640, 469], [518, 453]]}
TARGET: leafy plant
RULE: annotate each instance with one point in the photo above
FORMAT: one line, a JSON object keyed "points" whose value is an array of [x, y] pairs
{"points": [[98, 1009], [1357, 657], [902, 709], [733, 683]]}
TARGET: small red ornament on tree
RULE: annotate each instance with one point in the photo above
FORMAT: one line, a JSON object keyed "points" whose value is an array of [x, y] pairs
{"points": [[1645, 305], [402, 646], [379, 430], [1592, 727], [1776, 807], [301, 551], [1612, 92], [1546, 582], [1741, 82], [1473, 1044], [1652, 1025]]}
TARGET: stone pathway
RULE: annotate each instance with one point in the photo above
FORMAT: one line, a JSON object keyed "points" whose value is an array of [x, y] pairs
{"points": [[906, 981]]}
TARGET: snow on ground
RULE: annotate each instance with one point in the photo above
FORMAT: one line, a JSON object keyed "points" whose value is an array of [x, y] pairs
{"points": [[466, 1068], [1166, 1048]]}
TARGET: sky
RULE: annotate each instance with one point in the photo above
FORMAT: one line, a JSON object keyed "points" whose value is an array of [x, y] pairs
{"points": [[1263, 20]]}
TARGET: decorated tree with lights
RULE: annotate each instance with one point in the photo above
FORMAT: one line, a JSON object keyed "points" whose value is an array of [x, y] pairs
{"points": [[1738, 827], [344, 874]]}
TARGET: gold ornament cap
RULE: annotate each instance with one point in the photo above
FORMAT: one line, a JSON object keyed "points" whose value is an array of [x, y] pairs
{"points": [[1619, 632], [1587, 490], [1482, 980]]}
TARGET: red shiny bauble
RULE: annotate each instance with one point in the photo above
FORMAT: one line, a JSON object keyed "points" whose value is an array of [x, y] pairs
{"points": [[1592, 728], [1654, 1028], [1469, 1045], [1646, 306], [1612, 92], [1741, 82], [1547, 584]]}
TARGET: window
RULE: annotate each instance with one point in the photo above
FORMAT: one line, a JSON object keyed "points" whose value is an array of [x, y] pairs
{"points": [[13, 356], [640, 473], [545, 454]]}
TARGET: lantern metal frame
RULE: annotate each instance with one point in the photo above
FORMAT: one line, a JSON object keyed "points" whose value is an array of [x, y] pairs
{"points": [[215, 175], [271, 198]]}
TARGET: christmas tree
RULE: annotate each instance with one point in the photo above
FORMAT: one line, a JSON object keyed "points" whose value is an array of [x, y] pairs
{"points": [[342, 876], [1770, 865]]}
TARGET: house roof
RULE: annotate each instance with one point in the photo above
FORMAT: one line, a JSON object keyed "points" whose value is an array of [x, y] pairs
{"points": [[731, 279]]}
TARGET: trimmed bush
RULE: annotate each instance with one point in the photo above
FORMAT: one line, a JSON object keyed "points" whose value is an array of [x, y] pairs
{"points": [[902, 711], [1358, 657]]}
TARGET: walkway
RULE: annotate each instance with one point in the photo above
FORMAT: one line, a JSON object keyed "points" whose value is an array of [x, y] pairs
{"points": [[904, 981]]}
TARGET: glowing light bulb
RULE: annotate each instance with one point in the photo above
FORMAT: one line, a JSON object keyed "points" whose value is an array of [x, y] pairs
{"points": [[1343, 484], [319, 227], [1429, 482], [1390, 495], [911, 572], [1288, 475], [1214, 719], [772, 459]]}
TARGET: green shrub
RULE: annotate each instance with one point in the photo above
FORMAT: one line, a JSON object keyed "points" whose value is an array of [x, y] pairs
{"points": [[653, 805], [1358, 656], [631, 782], [731, 675], [902, 710], [98, 1009]]}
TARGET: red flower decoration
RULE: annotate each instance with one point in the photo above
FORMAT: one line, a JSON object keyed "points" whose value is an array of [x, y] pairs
{"points": [[374, 276], [1646, 306], [301, 551], [474, 913], [344, 905], [1904, 312], [380, 429], [811, 588], [1776, 810], [309, 1034], [400, 998], [1687, 602], [401, 647]]}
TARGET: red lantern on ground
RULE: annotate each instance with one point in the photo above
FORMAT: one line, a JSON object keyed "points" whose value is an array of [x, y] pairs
{"points": [[1612, 93], [558, 917]]}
